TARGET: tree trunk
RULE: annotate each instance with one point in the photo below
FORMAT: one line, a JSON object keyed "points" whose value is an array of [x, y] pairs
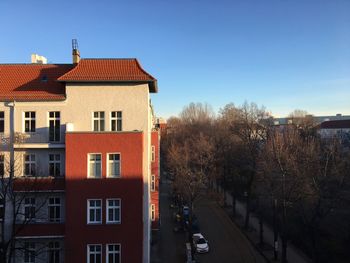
{"points": [[247, 212], [261, 230], [275, 230], [233, 204]]}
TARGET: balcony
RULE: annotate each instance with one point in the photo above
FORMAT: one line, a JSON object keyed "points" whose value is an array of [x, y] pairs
{"points": [[35, 140]]}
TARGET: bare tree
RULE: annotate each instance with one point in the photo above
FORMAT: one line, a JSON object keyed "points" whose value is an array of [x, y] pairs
{"points": [[250, 125], [304, 176], [22, 202]]}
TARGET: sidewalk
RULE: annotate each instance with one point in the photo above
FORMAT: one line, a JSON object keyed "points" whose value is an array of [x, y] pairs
{"points": [[294, 255]]}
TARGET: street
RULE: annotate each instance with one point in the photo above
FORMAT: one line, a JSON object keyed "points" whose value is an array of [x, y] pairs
{"points": [[226, 242]]}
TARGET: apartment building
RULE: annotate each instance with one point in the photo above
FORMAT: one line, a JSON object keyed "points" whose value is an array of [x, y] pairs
{"points": [[80, 156]]}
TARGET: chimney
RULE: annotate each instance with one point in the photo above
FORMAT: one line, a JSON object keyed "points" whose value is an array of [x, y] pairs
{"points": [[36, 59], [75, 53]]}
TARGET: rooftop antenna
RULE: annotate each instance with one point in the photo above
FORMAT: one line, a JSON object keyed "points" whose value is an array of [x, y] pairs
{"points": [[74, 44], [75, 52]]}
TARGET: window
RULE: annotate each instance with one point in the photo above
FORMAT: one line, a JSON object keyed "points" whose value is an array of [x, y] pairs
{"points": [[116, 121], [54, 207], [94, 169], [94, 254], [113, 211], [55, 165], [29, 165], [2, 203], [153, 212], [113, 166], [29, 252], [113, 253], [54, 252], [29, 121], [99, 120], [54, 126], [94, 215], [153, 157], [29, 208], [2, 121], [2, 165], [153, 182]]}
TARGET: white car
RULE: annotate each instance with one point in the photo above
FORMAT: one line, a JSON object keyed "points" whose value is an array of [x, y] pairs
{"points": [[200, 243]]}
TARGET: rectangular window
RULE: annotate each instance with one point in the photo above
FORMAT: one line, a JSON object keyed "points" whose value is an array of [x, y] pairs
{"points": [[153, 212], [113, 211], [2, 209], [113, 253], [54, 208], [153, 156], [54, 252], [54, 126], [55, 165], [2, 165], [153, 182], [2, 121], [94, 169], [29, 121], [94, 254], [29, 252], [29, 165], [116, 121], [94, 215], [99, 120], [29, 208], [113, 166]]}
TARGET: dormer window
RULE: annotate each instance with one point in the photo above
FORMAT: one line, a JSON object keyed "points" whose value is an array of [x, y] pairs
{"points": [[43, 78]]}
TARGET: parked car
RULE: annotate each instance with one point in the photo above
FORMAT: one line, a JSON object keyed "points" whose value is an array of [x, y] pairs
{"points": [[200, 243]]}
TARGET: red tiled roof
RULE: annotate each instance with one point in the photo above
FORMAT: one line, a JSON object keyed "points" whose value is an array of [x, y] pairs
{"points": [[339, 124], [109, 70], [32, 82]]}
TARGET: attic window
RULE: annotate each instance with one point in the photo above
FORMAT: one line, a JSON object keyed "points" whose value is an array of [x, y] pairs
{"points": [[44, 78]]}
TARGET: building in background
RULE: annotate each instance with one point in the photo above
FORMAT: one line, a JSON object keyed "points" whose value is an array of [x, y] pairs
{"points": [[80, 148]]}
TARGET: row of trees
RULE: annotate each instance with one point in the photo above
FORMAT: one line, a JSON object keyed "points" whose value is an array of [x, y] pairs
{"points": [[287, 170]]}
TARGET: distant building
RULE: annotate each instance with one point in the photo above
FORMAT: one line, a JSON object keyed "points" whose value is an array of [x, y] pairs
{"points": [[316, 119]]}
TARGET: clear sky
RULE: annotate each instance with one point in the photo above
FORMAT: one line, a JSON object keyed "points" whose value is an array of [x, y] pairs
{"points": [[284, 54]]}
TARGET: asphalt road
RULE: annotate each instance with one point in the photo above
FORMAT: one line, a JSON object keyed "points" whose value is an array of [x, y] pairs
{"points": [[226, 242]]}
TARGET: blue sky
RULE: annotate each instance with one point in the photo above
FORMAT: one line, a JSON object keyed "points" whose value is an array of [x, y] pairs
{"points": [[285, 55]]}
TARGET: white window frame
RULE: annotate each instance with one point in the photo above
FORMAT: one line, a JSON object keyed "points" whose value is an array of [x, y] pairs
{"points": [[114, 207], [31, 249], [153, 183], [88, 252], [31, 163], [54, 118], [29, 206], [120, 165], [99, 119], [54, 249], [153, 153], [30, 119], [116, 119], [118, 252], [55, 205], [153, 212], [2, 119], [55, 163], [88, 165], [95, 208]]}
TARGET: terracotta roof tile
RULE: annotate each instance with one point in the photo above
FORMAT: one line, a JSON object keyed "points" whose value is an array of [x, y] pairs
{"points": [[109, 70], [32, 82]]}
